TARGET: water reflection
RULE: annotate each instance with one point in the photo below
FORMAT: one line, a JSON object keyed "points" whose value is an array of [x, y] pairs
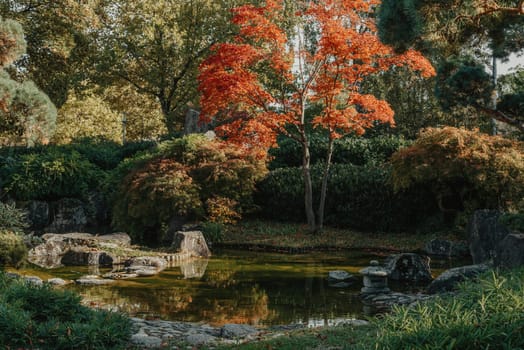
{"points": [[239, 287]]}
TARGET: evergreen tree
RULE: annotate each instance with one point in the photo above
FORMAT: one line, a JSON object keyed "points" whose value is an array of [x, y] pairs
{"points": [[27, 116]]}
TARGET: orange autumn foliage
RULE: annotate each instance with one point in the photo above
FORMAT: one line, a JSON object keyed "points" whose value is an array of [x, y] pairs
{"points": [[266, 76], [291, 55]]}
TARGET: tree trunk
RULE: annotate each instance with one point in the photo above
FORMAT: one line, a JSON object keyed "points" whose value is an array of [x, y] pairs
{"points": [[308, 187], [323, 191]]}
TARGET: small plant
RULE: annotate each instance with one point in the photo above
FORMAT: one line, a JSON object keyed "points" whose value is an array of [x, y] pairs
{"points": [[11, 218], [12, 249]]}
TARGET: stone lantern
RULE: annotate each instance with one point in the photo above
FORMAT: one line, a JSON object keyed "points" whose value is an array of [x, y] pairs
{"points": [[375, 279]]}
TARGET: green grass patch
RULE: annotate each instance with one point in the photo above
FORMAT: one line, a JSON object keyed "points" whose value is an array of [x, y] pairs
{"points": [[293, 235]]}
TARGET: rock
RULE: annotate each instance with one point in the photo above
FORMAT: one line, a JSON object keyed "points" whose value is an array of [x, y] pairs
{"points": [[449, 279], [200, 339], [93, 281], [48, 254], [81, 257], [339, 276], [67, 215], [37, 281], [151, 261], [98, 216], [191, 242], [145, 266], [56, 282], [75, 249], [119, 238], [510, 251], [233, 331], [408, 267], [144, 340], [485, 232], [443, 247], [340, 279], [37, 214]]}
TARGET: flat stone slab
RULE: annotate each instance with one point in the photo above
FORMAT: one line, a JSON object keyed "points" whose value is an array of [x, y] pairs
{"points": [[201, 339], [232, 331], [94, 281]]}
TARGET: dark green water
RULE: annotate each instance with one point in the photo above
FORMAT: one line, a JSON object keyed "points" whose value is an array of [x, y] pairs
{"points": [[241, 287]]}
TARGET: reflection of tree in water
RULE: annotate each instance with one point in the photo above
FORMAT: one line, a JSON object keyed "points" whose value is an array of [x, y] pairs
{"points": [[220, 278], [245, 308]]}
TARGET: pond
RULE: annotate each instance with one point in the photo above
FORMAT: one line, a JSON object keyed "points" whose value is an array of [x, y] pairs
{"points": [[241, 287]]}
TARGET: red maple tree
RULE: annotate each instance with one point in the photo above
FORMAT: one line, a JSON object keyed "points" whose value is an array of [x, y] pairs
{"points": [[288, 56]]}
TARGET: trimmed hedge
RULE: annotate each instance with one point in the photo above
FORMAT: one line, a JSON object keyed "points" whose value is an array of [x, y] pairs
{"points": [[348, 150], [53, 172], [360, 197]]}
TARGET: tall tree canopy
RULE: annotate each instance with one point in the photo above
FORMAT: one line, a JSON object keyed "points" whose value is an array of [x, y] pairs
{"points": [[27, 115], [448, 30], [288, 57], [157, 45], [58, 43]]}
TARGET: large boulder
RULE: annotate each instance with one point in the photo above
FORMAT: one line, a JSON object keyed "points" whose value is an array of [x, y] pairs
{"points": [[510, 251], [83, 257], [68, 215], [485, 233], [37, 214], [449, 279], [192, 243], [145, 266], [408, 267], [76, 249], [443, 247]]}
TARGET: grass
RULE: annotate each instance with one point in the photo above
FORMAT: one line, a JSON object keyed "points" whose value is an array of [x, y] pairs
{"points": [[486, 314], [293, 235]]}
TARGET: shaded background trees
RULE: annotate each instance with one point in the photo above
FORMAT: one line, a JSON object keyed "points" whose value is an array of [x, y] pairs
{"points": [[27, 116]]}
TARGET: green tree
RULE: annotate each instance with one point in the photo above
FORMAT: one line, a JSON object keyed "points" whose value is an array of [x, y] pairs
{"points": [[452, 28], [156, 46], [58, 42], [27, 116]]}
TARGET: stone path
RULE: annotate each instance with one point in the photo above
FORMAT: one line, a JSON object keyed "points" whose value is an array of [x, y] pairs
{"points": [[157, 333]]}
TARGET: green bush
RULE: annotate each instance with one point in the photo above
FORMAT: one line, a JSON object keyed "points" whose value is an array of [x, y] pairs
{"points": [[49, 176], [466, 170], [38, 316], [12, 248], [515, 221], [348, 150], [360, 197], [178, 180], [11, 218]]}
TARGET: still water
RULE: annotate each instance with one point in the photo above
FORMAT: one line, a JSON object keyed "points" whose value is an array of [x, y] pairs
{"points": [[241, 287]]}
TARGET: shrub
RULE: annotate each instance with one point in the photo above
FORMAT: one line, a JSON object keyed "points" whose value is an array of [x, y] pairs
{"points": [[49, 175], [12, 248], [39, 316], [515, 221], [348, 150], [190, 177], [11, 218], [465, 170], [361, 197]]}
